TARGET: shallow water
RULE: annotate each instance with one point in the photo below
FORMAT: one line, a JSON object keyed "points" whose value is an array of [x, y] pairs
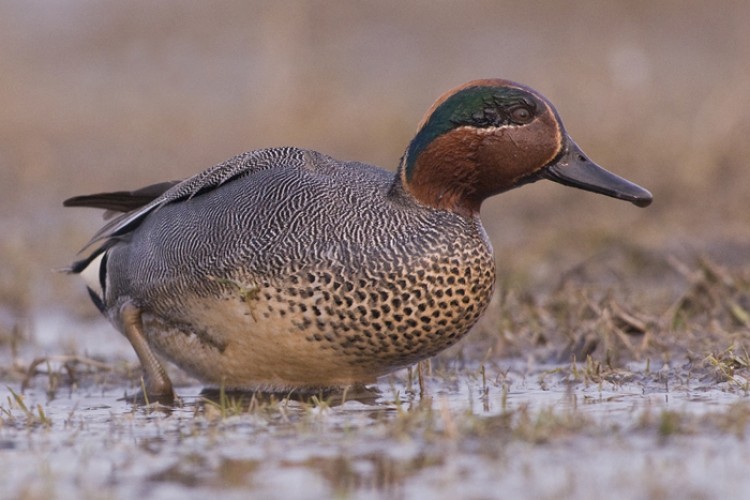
{"points": [[517, 432]]}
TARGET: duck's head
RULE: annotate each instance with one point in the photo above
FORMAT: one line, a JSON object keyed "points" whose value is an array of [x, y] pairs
{"points": [[489, 136]]}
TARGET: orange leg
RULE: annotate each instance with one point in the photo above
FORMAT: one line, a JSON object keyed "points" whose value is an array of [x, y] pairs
{"points": [[156, 379]]}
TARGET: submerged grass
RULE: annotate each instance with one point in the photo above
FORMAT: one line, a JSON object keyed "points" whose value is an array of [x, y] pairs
{"points": [[30, 417], [468, 421], [397, 444]]}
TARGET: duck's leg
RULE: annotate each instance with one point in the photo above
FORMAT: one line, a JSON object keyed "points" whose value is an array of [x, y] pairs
{"points": [[156, 379]]}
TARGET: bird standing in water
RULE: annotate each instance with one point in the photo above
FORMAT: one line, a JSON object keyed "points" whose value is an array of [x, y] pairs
{"points": [[285, 269]]}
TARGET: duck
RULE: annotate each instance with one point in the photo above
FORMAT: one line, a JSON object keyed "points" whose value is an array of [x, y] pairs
{"points": [[284, 269]]}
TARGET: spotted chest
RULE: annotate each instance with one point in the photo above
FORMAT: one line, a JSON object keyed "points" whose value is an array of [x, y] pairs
{"points": [[387, 317]]}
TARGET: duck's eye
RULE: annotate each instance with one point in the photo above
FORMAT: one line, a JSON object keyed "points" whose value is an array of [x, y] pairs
{"points": [[520, 114]]}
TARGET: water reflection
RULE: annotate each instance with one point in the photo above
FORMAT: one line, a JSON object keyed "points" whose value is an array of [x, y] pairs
{"points": [[386, 440]]}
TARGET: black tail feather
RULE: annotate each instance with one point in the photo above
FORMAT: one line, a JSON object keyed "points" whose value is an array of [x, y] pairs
{"points": [[121, 201]]}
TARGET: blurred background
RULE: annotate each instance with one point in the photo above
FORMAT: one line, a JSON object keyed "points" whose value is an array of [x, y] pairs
{"points": [[108, 95]]}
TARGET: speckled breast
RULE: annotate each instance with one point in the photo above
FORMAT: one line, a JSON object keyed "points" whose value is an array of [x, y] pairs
{"points": [[386, 317]]}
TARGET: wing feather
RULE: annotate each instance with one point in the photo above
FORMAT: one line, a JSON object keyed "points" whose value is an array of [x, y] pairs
{"points": [[144, 201]]}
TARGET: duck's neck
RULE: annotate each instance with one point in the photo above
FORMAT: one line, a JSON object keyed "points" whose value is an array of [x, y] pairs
{"points": [[458, 170], [444, 174]]}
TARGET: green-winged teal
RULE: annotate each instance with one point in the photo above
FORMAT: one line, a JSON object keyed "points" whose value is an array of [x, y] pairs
{"points": [[287, 269]]}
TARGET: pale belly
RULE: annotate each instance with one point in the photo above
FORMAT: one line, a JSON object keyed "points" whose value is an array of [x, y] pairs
{"points": [[226, 343]]}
